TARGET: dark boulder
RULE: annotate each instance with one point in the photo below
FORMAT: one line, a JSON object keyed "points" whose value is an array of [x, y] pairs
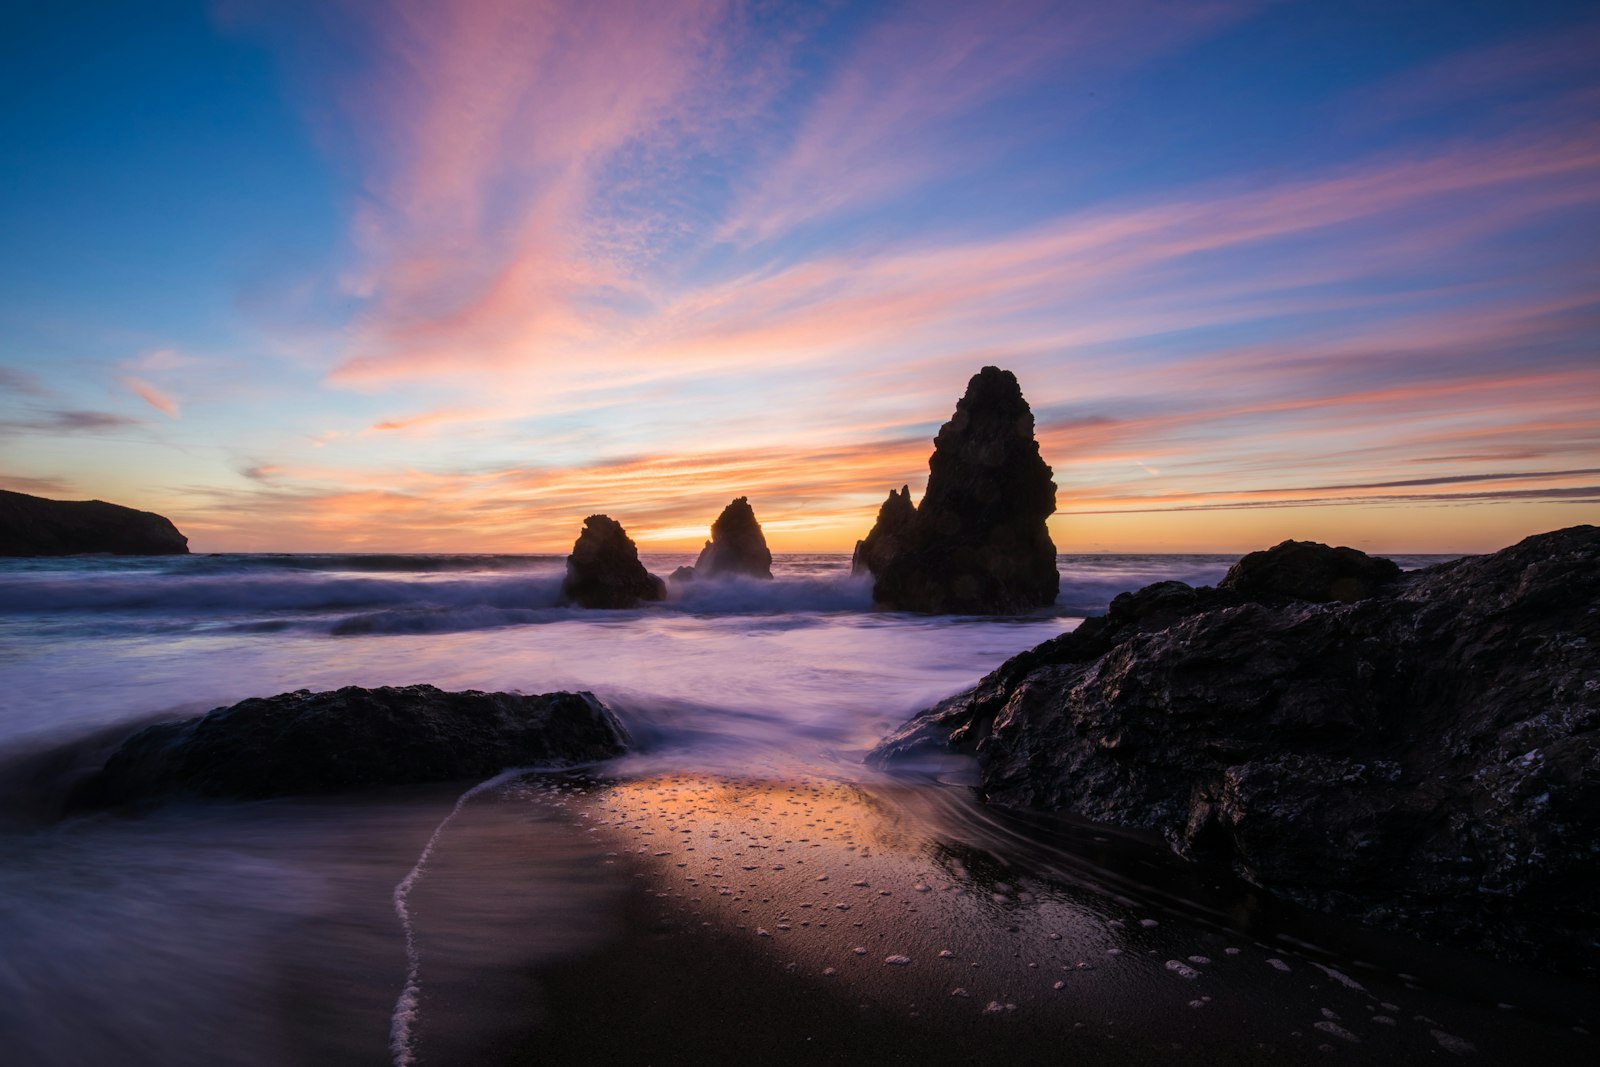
{"points": [[34, 526], [883, 541], [979, 543], [1427, 758], [737, 545], [353, 738], [604, 569], [1306, 570]]}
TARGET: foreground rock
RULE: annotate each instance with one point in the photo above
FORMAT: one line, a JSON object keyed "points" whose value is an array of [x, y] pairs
{"points": [[352, 738], [1425, 758], [604, 569], [977, 544], [737, 546], [1305, 570], [34, 526]]}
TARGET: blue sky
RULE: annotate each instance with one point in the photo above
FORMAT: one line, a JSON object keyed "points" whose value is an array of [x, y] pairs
{"points": [[399, 275]]}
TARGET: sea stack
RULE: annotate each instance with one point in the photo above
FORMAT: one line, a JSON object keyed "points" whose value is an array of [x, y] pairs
{"points": [[737, 546], [34, 526], [978, 543], [604, 569], [895, 519]]}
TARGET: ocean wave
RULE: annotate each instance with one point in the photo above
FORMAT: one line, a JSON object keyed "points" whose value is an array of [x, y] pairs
{"points": [[1091, 595], [242, 594], [361, 563], [283, 592], [734, 595]]}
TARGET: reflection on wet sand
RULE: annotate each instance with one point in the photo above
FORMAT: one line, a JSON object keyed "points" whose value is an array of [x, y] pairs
{"points": [[968, 929]]}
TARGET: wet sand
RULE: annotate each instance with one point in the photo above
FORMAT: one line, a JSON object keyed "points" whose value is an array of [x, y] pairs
{"points": [[783, 915], [804, 919]]}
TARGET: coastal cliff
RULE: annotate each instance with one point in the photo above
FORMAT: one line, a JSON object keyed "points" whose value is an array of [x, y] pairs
{"points": [[1418, 751], [35, 526]]}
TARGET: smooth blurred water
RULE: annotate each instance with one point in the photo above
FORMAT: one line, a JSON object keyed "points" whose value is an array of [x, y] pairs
{"points": [[92, 641], [265, 933]]}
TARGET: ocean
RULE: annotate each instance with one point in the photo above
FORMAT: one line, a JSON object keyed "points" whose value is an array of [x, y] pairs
{"points": [[439, 924]]}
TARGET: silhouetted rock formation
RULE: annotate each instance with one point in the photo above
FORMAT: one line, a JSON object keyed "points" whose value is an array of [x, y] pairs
{"points": [[1306, 570], [978, 543], [34, 526], [895, 519], [737, 546], [604, 569], [1425, 758], [306, 742]]}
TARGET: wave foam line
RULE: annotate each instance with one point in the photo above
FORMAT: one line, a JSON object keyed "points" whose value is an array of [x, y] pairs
{"points": [[405, 1008]]}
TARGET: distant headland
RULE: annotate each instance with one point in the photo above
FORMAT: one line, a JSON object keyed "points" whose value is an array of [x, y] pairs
{"points": [[35, 526]]}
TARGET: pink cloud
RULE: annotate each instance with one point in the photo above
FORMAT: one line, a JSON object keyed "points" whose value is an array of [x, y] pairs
{"points": [[160, 360], [156, 398], [497, 238], [492, 130], [880, 128]]}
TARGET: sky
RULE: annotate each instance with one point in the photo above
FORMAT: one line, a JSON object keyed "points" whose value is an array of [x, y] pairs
{"points": [[401, 275]]}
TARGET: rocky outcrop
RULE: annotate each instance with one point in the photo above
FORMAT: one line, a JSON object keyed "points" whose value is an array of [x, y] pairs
{"points": [[737, 546], [352, 738], [604, 569], [1306, 570], [977, 543], [34, 526], [888, 534], [1425, 758]]}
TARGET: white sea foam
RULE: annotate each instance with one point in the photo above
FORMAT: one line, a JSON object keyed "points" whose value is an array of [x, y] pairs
{"points": [[406, 1007]]}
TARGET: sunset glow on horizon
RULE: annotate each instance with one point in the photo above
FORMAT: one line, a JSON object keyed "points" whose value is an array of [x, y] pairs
{"points": [[390, 275]]}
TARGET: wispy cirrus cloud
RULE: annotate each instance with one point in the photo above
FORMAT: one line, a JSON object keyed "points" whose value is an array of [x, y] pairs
{"points": [[21, 383], [587, 238], [1244, 501], [493, 131], [67, 420], [800, 497], [891, 117], [1512, 75], [36, 486]]}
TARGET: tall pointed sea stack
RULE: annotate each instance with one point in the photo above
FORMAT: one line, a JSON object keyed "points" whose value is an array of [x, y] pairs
{"points": [[978, 543], [604, 569], [895, 519], [737, 545]]}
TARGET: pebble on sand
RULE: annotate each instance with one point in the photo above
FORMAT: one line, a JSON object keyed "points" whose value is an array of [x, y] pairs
{"points": [[1337, 1031], [1460, 1046]]}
